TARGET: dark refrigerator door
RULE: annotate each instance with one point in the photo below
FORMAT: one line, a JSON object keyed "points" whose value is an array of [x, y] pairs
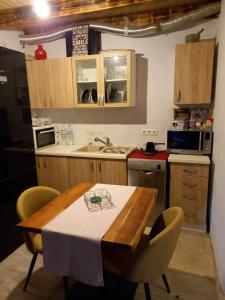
{"points": [[17, 159]]}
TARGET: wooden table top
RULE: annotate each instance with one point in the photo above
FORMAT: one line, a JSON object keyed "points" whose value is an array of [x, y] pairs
{"points": [[126, 229]]}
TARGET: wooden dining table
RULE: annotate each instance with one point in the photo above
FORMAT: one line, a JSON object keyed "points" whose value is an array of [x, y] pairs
{"points": [[125, 231]]}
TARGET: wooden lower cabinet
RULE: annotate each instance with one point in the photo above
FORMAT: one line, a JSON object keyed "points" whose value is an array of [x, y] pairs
{"points": [[53, 171], [189, 190], [97, 170]]}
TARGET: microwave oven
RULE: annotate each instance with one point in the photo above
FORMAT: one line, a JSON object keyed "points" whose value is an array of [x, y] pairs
{"points": [[190, 141], [44, 137]]}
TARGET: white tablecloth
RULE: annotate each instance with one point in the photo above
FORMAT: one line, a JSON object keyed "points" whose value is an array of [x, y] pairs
{"points": [[72, 240]]}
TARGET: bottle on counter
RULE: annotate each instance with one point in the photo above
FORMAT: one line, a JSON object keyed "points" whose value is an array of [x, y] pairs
{"points": [[63, 137], [70, 136]]}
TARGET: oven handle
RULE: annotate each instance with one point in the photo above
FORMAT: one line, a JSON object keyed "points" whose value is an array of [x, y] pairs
{"points": [[46, 131]]}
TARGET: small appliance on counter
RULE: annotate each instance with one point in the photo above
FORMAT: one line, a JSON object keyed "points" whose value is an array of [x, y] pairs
{"points": [[195, 141], [44, 136], [151, 147]]}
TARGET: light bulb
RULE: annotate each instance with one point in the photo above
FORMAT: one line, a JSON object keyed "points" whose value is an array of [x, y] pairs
{"points": [[41, 8]]}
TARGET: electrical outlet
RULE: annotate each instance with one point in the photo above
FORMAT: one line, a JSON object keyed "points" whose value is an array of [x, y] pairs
{"points": [[149, 132]]}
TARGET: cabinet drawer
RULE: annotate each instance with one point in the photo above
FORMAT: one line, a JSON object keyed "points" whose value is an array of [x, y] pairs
{"points": [[193, 203], [190, 182], [190, 169]]}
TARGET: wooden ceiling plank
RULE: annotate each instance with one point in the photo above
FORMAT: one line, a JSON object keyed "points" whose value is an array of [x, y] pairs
{"points": [[85, 11]]}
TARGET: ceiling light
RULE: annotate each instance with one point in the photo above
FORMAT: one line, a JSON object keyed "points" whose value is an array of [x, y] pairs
{"points": [[41, 8]]}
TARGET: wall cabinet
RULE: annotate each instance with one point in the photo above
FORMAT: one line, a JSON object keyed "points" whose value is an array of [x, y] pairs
{"points": [[189, 190], [105, 80], [53, 172], [97, 170], [50, 83], [194, 72]]}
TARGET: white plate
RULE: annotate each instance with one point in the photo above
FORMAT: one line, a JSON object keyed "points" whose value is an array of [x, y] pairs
{"points": [[109, 89]]}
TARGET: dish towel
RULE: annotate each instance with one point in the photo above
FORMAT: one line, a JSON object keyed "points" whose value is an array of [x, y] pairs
{"points": [[72, 240]]}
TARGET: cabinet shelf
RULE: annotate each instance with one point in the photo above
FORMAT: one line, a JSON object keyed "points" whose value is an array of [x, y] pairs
{"points": [[86, 81], [115, 80]]}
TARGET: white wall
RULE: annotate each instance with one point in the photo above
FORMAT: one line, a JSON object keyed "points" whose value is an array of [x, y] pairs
{"points": [[218, 199], [9, 39]]}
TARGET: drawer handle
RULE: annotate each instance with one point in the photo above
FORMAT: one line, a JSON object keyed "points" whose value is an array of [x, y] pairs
{"points": [[92, 166], [178, 95], [45, 164], [189, 198], [189, 171], [189, 184], [147, 172]]}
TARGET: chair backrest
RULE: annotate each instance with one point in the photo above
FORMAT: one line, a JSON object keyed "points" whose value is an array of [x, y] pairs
{"points": [[153, 260], [30, 201]]}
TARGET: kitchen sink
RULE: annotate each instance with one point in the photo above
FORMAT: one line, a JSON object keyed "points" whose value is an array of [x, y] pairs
{"points": [[104, 149], [90, 148]]}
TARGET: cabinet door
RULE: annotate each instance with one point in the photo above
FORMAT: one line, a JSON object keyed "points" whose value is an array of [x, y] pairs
{"points": [[50, 83], [81, 170], [53, 172], [193, 72], [111, 171], [118, 80], [42, 173], [60, 83], [37, 75], [86, 79]]}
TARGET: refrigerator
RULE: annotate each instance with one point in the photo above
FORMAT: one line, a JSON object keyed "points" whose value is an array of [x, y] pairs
{"points": [[17, 157]]}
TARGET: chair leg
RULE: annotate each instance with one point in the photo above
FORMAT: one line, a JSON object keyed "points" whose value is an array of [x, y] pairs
{"points": [[66, 285], [147, 291], [30, 271], [166, 283]]}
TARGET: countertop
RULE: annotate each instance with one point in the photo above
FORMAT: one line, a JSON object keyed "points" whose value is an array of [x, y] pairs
{"points": [[190, 159], [140, 154], [71, 151]]}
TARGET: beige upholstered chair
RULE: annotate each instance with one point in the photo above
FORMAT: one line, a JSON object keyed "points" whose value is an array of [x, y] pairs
{"points": [[153, 254], [30, 201]]}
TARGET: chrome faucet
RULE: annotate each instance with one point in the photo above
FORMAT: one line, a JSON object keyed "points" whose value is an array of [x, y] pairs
{"points": [[107, 142]]}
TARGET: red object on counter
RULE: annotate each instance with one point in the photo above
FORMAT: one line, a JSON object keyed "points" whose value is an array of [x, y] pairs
{"points": [[40, 53], [161, 155]]}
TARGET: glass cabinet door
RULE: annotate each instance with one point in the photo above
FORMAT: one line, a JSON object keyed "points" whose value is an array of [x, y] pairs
{"points": [[115, 79], [86, 81]]}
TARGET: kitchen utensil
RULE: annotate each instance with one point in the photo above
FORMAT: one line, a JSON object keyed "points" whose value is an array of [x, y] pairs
{"points": [[195, 37], [85, 96], [109, 89], [94, 95], [150, 148]]}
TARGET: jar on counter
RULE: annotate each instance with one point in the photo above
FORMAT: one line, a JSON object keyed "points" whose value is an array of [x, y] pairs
{"points": [[192, 123]]}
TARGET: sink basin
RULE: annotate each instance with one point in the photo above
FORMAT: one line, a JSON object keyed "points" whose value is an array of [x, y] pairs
{"points": [[103, 149], [118, 150], [90, 148]]}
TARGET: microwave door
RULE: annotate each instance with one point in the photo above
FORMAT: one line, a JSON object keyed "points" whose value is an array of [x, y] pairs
{"points": [[183, 141], [45, 138]]}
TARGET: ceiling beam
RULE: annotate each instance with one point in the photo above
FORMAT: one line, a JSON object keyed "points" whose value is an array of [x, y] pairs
{"points": [[80, 11]]}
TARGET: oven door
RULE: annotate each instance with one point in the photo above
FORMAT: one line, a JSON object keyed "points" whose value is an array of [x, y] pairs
{"points": [[44, 137], [187, 142]]}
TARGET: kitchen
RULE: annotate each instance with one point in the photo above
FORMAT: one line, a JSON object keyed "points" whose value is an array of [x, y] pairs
{"points": [[154, 107]]}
